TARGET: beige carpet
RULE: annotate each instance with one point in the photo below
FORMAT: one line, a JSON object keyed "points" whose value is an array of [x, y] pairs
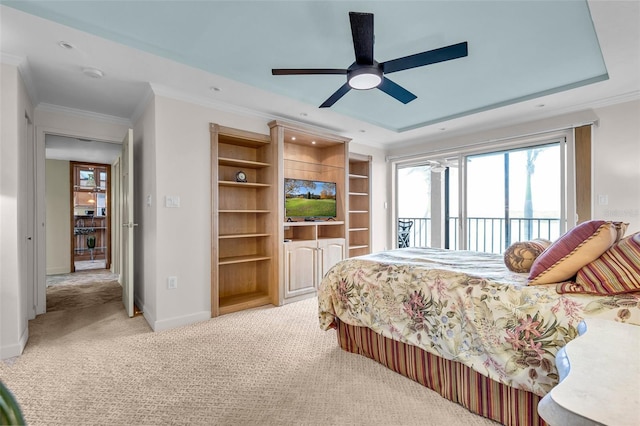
{"points": [[64, 297], [268, 366], [81, 277]]}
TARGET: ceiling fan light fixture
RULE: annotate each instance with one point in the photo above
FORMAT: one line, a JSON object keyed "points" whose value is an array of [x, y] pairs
{"points": [[365, 78]]}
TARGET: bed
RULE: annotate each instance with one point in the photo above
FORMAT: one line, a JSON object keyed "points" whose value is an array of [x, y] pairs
{"points": [[462, 324]]}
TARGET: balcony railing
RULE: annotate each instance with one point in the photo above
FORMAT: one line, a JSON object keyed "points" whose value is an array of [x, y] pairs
{"points": [[486, 234]]}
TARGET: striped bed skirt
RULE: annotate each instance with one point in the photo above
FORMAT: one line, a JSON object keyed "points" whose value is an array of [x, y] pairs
{"points": [[453, 380]]}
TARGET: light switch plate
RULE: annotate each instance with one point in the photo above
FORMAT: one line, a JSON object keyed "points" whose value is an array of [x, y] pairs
{"points": [[603, 200], [172, 201]]}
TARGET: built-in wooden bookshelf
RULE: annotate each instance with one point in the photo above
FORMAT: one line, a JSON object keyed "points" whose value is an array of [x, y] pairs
{"points": [[245, 220], [310, 248], [359, 205]]}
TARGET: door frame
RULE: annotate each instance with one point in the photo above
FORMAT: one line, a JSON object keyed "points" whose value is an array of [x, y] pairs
{"points": [[40, 284]]}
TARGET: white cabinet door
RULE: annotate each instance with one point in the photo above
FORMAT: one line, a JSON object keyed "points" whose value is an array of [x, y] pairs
{"points": [[301, 268], [332, 251]]}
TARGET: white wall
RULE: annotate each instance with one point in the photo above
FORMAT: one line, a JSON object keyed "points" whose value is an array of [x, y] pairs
{"points": [[616, 164], [182, 242], [616, 154], [14, 312], [145, 234], [57, 219]]}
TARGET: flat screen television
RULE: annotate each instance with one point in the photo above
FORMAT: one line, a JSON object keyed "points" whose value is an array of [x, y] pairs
{"points": [[309, 199]]}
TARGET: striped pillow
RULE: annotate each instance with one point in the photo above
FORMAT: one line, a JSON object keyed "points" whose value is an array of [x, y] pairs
{"points": [[617, 271], [579, 246]]}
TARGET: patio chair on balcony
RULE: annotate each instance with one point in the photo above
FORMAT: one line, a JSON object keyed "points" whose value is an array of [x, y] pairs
{"points": [[404, 226]]}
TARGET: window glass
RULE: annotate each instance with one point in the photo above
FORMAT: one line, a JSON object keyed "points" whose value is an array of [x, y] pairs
{"points": [[513, 196], [414, 205], [87, 179], [488, 200]]}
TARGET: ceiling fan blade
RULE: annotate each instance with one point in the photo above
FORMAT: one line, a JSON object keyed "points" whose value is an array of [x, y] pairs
{"points": [[442, 54], [336, 96], [304, 71], [362, 33], [396, 91]]}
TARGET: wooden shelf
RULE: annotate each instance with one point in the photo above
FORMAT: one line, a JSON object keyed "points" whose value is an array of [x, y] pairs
{"points": [[243, 184], [244, 301], [358, 229], [360, 194], [242, 259], [244, 211], [315, 223], [225, 236], [354, 176], [234, 162], [358, 247]]}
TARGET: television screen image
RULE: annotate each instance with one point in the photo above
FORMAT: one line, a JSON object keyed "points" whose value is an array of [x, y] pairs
{"points": [[309, 199]]}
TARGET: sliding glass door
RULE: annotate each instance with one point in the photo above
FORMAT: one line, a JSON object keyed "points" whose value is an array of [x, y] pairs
{"points": [[414, 206], [485, 200], [513, 196]]}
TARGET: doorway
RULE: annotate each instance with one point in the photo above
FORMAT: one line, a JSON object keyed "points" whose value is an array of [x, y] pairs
{"points": [[78, 223]]}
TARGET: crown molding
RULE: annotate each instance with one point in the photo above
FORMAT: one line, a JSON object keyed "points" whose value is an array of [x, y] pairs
{"points": [[84, 114], [171, 93], [24, 69], [203, 101], [9, 59], [142, 105]]}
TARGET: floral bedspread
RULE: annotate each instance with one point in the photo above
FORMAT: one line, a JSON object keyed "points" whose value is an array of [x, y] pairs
{"points": [[468, 307]]}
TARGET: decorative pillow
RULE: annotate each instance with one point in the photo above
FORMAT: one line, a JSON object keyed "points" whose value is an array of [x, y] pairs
{"points": [[579, 246], [519, 256], [617, 271], [621, 228]]}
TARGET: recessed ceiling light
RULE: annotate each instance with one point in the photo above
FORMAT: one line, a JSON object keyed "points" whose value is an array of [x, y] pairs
{"points": [[93, 72], [293, 138], [215, 89], [443, 128], [313, 142], [303, 114], [540, 106], [362, 130], [66, 45]]}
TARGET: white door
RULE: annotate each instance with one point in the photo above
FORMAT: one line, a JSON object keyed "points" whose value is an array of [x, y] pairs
{"points": [[126, 214]]}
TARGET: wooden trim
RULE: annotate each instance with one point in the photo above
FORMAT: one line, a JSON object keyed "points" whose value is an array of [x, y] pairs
{"points": [[215, 305], [583, 172], [72, 220], [74, 179]]}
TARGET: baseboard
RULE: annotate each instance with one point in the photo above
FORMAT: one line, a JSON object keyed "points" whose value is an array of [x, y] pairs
{"points": [[179, 321], [58, 270], [15, 349]]}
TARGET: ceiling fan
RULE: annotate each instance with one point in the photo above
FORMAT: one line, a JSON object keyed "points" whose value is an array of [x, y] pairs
{"points": [[366, 73]]}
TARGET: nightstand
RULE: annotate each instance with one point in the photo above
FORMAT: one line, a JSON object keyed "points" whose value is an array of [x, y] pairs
{"points": [[599, 377]]}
